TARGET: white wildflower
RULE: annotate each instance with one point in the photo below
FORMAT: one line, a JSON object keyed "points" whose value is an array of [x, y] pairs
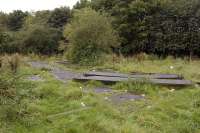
{"points": [[171, 67], [106, 98], [172, 90], [132, 99], [196, 85], [83, 104], [143, 95], [148, 107]]}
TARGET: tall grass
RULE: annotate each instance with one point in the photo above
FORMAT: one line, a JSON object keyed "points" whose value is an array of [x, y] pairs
{"points": [[162, 110], [10, 62], [12, 89]]}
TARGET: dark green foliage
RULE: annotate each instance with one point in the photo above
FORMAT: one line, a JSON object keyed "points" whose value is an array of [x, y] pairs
{"points": [[16, 20], [59, 17], [7, 94], [38, 32], [12, 93], [82, 4], [6, 43], [161, 27], [41, 40], [3, 21], [129, 22], [37, 18], [90, 35], [155, 26], [174, 31]]}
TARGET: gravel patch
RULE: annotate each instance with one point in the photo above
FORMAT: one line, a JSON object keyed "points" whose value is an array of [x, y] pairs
{"points": [[59, 74], [103, 90], [39, 64], [35, 78], [124, 97]]}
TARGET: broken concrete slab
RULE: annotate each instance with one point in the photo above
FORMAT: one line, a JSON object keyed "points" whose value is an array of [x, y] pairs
{"points": [[103, 90], [107, 77], [99, 90], [39, 64], [34, 78], [59, 74], [173, 82], [139, 75], [64, 62], [124, 97], [64, 75]]}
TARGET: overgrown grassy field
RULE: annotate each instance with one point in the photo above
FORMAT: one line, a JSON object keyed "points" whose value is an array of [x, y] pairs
{"points": [[50, 106]]}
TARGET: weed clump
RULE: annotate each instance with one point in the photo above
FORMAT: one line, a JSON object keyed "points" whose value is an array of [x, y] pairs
{"points": [[14, 62], [136, 87], [90, 40], [11, 63]]}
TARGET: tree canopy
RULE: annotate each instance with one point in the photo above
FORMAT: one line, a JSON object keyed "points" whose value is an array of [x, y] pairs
{"points": [[161, 27], [90, 35]]}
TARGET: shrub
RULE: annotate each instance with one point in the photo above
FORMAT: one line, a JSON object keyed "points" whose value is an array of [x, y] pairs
{"points": [[41, 40], [5, 40], [14, 93], [59, 17], [8, 96], [14, 62], [90, 35], [11, 63], [16, 20], [141, 57]]}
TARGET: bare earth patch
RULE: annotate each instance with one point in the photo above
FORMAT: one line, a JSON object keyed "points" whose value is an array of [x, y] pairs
{"points": [[125, 97]]}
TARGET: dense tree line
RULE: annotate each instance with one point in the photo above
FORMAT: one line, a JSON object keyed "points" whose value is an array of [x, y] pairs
{"points": [[33, 32], [161, 27]]}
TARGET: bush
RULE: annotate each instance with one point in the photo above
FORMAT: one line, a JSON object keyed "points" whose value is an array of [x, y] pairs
{"points": [[10, 63], [9, 100], [90, 35], [59, 17], [41, 40], [14, 92], [5, 39], [16, 20], [14, 63]]}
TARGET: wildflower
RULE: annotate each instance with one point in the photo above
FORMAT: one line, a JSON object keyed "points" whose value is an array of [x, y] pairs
{"points": [[126, 90], [106, 98], [171, 67], [94, 70], [132, 99], [143, 95], [83, 104], [148, 107], [172, 90], [196, 85]]}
